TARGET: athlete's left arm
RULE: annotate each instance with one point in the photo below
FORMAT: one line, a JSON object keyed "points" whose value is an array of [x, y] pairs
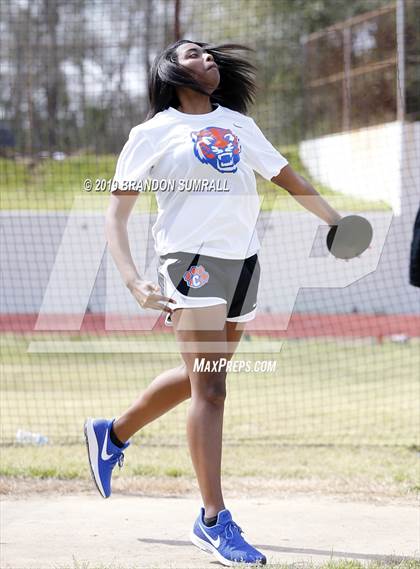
{"points": [[300, 189]]}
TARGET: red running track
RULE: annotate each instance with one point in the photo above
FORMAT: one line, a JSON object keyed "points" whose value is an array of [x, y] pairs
{"points": [[300, 325]]}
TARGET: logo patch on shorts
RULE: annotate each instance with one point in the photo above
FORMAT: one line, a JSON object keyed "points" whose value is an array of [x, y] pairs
{"points": [[196, 276]]}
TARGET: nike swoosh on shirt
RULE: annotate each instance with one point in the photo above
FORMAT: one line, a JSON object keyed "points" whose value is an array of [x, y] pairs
{"points": [[104, 453], [215, 542], [238, 125]]}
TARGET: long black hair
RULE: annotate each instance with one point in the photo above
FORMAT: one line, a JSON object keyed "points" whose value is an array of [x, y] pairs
{"points": [[235, 91]]}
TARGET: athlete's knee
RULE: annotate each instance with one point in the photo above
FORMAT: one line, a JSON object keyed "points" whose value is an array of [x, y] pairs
{"points": [[211, 388], [183, 369]]}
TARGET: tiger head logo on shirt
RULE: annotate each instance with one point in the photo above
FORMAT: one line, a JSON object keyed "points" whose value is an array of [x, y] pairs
{"points": [[218, 147]]}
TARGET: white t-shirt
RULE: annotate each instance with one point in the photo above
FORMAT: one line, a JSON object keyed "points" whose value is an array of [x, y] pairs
{"points": [[202, 168]]}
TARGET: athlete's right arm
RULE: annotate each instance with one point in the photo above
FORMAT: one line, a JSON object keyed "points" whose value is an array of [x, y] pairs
{"points": [[121, 204]]}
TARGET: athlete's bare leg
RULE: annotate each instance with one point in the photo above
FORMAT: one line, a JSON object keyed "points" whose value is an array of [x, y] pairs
{"points": [[167, 390], [208, 393]]}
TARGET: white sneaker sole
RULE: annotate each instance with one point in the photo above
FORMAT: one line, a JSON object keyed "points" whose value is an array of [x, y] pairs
{"points": [[205, 546], [93, 451]]}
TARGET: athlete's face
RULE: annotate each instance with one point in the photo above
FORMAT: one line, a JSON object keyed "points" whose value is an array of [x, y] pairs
{"points": [[201, 64]]}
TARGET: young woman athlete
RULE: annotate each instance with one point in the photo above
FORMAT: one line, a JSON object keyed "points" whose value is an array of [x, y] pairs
{"points": [[208, 274]]}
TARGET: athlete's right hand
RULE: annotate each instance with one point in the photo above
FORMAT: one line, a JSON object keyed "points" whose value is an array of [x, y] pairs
{"points": [[147, 295]]}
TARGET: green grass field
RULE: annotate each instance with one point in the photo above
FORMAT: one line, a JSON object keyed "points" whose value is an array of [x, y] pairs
{"points": [[363, 471], [58, 185], [391, 564], [324, 392]]}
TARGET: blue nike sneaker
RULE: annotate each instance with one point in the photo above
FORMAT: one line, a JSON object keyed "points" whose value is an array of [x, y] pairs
{"points": [[102, 453], [225, 541]]}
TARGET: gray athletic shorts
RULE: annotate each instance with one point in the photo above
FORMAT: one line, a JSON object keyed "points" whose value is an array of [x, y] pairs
{"points": [[196, 281]]}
